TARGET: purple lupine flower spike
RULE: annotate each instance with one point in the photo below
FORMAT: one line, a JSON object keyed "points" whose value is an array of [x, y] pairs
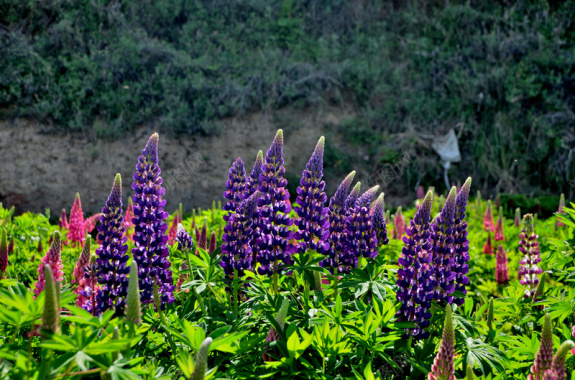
{"points": [[529, 247], [250, 188], [89, 288], [461, 243], [274, 208], [235, 187], [253, 180], [336, 219], [151, 252], [236, 251], [378, 218], [112, 254], [312, 222], [442, 239], [544, 358], [443, 367], [361, 235], [414, 277], [352, 197], [185, 241]]}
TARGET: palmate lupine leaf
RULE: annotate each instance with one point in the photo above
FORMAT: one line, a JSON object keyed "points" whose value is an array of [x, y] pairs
{"points": [[484, 355]]}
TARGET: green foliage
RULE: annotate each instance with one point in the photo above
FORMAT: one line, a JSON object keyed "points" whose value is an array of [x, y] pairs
{"points": [[349, 334]]}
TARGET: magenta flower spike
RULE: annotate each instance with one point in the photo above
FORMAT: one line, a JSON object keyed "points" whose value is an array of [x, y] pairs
{"points": [[63, 222], [83, 260], [3, 253], [128, 220], [488, 218], [203, 239], [400, 224], [52, 258], [420, 193], [213, 244], [501, 272], [90, 223], [76, 228], [172, 232], [488, 247], [544, 357], [499, 226], [529, 247], [151, 252], [443, 367]]}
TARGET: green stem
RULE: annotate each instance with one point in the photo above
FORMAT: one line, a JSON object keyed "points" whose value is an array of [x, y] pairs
{"points": [[215, 294], [13, 339], [275, 277], [335, 281], [187, 251], [275, 280], [200, 300], [163, 319], [306, 295], [235, 285], [80, 373]]}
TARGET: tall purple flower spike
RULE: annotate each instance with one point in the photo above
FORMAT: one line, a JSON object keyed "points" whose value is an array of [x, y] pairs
{"points": [[312, 222], [442, 239], [253, 180], [414, 277], [378, 219], [150, 239], [336, 219], [352, 197], [461, 243], [236, 250], [274, 208], [112, 254], [529, 247], [361, 235], [235, 187]]}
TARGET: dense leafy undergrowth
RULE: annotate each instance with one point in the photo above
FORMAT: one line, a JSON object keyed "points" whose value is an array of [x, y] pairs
{"points": [[344, 328]]}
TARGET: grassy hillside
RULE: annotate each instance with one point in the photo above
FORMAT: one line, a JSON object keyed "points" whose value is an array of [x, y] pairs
{"points": [[500, 73]]}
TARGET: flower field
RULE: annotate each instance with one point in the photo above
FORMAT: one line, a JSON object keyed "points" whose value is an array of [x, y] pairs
{"points": [[331, 286]]}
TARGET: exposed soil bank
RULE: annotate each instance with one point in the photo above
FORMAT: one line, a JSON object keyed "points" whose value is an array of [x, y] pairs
{"points": [[44, 167]]}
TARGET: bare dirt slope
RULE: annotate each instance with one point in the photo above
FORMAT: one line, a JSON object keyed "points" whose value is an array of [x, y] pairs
{"points": [[44, 168]]}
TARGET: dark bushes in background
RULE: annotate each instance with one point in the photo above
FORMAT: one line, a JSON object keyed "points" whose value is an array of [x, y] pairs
{"points": [[500, 73]]}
